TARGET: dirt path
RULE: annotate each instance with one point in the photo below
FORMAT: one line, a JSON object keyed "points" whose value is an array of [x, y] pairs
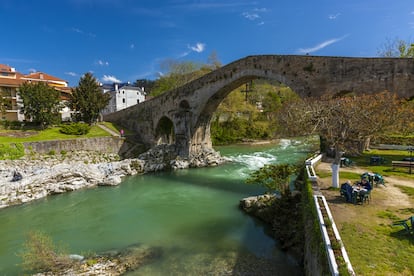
{"points": [[389, 196]]}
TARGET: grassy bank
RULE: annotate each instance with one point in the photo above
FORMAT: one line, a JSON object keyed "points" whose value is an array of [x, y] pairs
{"points": [[53, 133], [374, 246]]}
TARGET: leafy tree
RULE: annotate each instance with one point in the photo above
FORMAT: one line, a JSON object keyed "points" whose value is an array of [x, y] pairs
{"points": [[177, 73], [397, 48], [5, 102], [274, 177], [88, 100], [236, 119], [146, 84], [40, 103]]}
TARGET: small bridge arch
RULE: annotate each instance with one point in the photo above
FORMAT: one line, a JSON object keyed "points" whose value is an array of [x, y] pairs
{"points": [[190, 107]]}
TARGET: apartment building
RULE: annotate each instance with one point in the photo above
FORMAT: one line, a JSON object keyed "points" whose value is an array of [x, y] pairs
{"points": [[10, 80]]}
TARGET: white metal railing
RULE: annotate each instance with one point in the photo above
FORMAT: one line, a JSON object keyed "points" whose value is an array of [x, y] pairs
{"points": [[328, 243], [309, 166]]}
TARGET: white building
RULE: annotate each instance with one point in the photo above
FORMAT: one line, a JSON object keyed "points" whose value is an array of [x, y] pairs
{"points": [[123, 95]]}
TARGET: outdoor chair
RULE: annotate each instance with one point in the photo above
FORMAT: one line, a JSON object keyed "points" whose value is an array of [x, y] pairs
{"points": [[378, 179], [408, 227], [365, 197]]}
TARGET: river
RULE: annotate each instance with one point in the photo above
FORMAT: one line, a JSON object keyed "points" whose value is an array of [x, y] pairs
{"points": [[191, 215]]}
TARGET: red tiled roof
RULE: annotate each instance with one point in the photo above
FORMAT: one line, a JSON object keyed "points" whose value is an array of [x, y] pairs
{"points": [[42, 76], [4, 67], [10, 82]]}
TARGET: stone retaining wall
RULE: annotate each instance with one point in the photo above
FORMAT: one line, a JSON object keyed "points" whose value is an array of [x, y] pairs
{"points": [[98, 144]]}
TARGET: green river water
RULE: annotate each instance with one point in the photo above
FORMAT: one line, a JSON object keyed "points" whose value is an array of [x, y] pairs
{"points": [[191, 215]]}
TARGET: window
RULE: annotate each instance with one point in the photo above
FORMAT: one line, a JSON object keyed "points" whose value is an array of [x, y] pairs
{"points": [[123, 100]]}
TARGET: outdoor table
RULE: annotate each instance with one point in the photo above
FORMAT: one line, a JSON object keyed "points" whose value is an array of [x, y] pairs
{"points": [[356, 193], [375, 160]]}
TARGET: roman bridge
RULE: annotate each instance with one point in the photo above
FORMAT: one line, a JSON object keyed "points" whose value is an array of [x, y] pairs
{"points": [[182, 116]]}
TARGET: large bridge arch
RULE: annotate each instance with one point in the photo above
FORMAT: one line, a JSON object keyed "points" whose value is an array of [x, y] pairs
{"points": [[191, 106]]}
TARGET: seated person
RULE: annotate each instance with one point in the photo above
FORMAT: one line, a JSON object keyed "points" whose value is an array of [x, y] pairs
{"points": [[366, 185], [346, 190]]}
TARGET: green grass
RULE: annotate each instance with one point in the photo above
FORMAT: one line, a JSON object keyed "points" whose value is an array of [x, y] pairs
{"points": [[117, 128], [50, 134], [406, 190], [386, 168], [389, 249], [342, 175], [374, 246]]}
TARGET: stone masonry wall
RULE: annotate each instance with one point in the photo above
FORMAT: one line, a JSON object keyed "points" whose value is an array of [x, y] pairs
{"points": [[98, 144]]}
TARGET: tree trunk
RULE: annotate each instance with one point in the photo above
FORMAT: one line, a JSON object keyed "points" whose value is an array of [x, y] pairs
{"points": [[367, 143], [335, 167], [335, 175]]}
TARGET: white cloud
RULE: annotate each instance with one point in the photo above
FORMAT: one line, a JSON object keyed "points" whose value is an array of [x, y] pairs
{"points": [[213, 5], [73, 74], [255, 15], [32, 70], [260, 10], [79, 31], [199, 47], [76, 30], [102, 63], [108, 78], [334, 16], [320, 45], [250, 16]]}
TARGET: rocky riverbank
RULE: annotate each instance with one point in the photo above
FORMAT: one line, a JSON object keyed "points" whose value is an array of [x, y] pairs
{"points": [[109, 263], [284, 216], [44, 175]]}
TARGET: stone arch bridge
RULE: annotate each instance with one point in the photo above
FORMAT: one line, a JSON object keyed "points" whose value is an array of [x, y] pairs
{"points": [[182, 116]]}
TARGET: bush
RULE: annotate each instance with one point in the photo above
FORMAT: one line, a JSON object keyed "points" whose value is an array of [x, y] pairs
{"points": [[40, 254], [75, 129], [237, 129], [11, 151]]}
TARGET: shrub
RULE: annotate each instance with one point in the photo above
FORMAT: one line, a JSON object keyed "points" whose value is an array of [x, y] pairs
{"points": [[75, 129], [11, 151], [40, 254], [6, 124]]}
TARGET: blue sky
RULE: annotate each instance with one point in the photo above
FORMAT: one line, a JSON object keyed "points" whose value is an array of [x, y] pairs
{"points": [[125, 40]]}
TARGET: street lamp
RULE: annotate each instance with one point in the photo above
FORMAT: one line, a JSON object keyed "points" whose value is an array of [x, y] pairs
{"points": [[410, 149], [248, 89]]}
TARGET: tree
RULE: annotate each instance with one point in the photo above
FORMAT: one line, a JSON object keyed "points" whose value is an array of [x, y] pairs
{"points": [[397, 48], [273, 177], [5, 102], [213, 61], [88, 100], [177, 73], [41, 103], [146, 84], [344, 122]]}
